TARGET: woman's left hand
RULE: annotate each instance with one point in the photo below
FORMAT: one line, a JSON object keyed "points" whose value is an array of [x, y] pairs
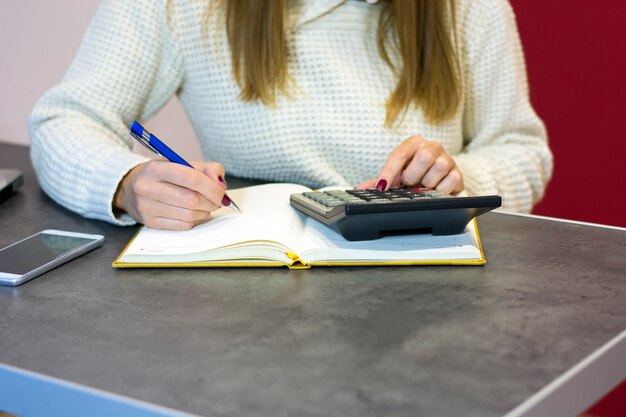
{"points": [[418, 161]]}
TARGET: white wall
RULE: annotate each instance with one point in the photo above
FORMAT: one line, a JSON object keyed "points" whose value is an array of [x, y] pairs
{"points": [[38, 39]]}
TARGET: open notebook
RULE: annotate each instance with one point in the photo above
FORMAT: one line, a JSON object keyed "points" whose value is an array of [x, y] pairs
{"points": [[269, 232]]}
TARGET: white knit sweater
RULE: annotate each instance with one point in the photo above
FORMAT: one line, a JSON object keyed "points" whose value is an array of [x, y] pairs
{"points": [[330, 131]]}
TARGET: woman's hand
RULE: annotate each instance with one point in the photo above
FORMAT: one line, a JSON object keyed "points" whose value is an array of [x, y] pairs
{"points": [[418, 161], [165, 195]]}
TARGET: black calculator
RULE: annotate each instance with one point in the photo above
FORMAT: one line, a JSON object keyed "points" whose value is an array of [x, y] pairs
{"points": [[372, 214]]}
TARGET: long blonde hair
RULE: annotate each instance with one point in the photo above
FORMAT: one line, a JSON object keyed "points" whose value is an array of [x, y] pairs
{"points": [[428, 76]]}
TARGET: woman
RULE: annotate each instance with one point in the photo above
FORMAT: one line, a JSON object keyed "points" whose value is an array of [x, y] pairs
{"points": [[320, 92]]}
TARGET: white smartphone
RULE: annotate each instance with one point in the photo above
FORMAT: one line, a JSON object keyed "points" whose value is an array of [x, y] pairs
{"points": [[30, 257]]}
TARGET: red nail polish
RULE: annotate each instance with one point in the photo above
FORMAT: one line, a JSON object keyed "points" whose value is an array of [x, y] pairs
{"points": [[226, 200], [221, 180], [382, 184]]}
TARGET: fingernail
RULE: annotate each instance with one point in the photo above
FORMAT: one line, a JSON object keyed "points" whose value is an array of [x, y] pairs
{"points": [[382, 184], [226, 200], [221, 180]]}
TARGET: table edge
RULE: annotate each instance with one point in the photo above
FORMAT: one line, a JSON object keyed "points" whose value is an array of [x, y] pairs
{"points": [[560, 220], [581, 386]]}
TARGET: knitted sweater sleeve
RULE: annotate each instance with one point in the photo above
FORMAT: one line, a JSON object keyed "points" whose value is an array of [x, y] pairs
{"points": [[126, 68], [506, 150]]}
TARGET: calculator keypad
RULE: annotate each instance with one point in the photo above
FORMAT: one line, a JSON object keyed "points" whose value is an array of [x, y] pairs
{"points": [[372, 196]]}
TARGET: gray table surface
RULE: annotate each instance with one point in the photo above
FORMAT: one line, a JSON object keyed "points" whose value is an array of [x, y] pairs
{"points": [[351, 341]]}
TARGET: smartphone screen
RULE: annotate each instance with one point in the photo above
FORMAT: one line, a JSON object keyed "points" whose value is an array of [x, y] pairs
{"points": [[37, 250]]}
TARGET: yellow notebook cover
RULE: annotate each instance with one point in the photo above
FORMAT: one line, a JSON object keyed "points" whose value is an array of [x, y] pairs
{"points": [[269, 233]]}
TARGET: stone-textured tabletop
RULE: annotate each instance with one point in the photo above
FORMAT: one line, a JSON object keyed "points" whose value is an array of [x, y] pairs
{"points": [[343, 341]]}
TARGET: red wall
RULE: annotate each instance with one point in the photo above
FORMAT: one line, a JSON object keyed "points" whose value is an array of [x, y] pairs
{"points": [[576, 59]]}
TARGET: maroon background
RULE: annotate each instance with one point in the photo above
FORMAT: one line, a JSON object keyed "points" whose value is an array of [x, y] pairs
{"points": [[576, 58]]}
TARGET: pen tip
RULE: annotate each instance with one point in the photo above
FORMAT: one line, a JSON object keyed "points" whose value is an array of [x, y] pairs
{"points": [[233, 206]]}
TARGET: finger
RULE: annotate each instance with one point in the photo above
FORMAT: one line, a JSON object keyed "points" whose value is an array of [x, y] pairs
{"points": [[158, 209], [172, 195], [438, 170], [367, 184], [213, 170], [189, 178], [168, 224], [198, 223], [451, 183], [421, 163], [396, 182], [398, 160]]}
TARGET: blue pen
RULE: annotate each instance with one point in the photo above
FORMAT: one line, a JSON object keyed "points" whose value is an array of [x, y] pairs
{"points": [[153, 144]]}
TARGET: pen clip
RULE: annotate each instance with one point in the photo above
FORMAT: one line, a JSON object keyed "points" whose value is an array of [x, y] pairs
{"points": [[145, 142]]}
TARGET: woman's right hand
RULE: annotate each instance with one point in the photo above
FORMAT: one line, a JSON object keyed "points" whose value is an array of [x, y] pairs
{"points": [[164, 195]]}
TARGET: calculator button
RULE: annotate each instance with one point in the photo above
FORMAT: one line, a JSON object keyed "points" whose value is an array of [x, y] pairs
{"points": [[434, 194], [327, 201], [337, 193]]}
